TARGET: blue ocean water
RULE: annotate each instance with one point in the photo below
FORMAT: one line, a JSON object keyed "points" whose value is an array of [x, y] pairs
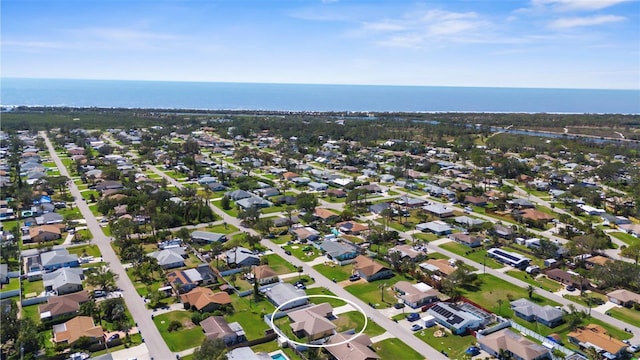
{"points": [[300, 97]]}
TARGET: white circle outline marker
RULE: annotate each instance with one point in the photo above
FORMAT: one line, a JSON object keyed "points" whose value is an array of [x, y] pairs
{"points": [[357, 307]]}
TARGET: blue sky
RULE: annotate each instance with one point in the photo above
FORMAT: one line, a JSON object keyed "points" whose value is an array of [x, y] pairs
{"points": [[504, 43]]}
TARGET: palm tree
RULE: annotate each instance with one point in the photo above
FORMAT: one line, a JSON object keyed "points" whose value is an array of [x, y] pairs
{"points": [[500, 302], [530, 291], [592, 353], [103, 278]]}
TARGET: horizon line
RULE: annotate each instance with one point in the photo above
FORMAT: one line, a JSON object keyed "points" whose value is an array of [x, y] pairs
{"points": [[317, 84]]}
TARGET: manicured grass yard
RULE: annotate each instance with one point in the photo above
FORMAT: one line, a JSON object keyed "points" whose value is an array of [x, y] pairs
{"points": [[319, 300], [14, 284], [232, 212], [372, 293], [626, 238], [629, 316], [297, 251], [188, 336], [31, 311], [334, 271], [250, 315], [541, 281], [91, 250], [221, 229], [477, 255], [395, 349], [355, 320], [279, 265], [32, 287], [453, 345]]}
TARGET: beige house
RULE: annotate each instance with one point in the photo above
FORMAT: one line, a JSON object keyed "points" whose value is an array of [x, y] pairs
{"points": [[265, 275], [313, 322], [596, 336], [357, 349], [517, 345], [72, 330], [624, 297]]}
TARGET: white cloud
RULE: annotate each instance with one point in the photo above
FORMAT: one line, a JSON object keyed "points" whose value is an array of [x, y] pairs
{"points": [[571, 22], [576, 5]]}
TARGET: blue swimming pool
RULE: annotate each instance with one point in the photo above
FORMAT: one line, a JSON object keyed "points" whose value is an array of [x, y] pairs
{"points": [[279, 357]]}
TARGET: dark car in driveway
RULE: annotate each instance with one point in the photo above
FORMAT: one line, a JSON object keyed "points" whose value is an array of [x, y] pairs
{"points": [[413, 317]]}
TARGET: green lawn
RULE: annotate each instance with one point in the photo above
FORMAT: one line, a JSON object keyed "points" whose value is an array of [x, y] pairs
{"points": [[626, 238], [334, 271], [250, 315], [627, 315], [597, 299], [374, 294], [91, 250], [279, 265], [29, 287], [453, 345], [426, 236], [31, 312], [14, 284], [541, 281], [305, 255], [232, 212], [188, 336], [221, 229], [475, 255], [319, 300], [355, 320], [395, 349]]}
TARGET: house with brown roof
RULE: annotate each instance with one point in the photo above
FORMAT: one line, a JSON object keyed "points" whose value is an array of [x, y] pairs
{"points": [[440, 267], [567, 278], [60, 306], [290, 175], [358, 348], [325, 215], [313, 322], [596, 260], [408, 252], [476, 200], [72, 330], [264, 275], [624, 297], [370, 269], [516, 345], [535, 215], [466, 239], [338, 193], [596, 336], [415, 295], [216, 327], [44, 233], [204, 299], [351, 227]]}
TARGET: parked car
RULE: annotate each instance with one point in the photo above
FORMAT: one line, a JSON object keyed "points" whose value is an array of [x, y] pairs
{"points": [[113, 337], [633, 348], [571, 288], [99, 294], [354, 277], [398, 305], [473, 351], [287, 252], [416, 327], [413, 317]]}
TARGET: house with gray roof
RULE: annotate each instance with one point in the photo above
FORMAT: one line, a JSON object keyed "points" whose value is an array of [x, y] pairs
{"points": [[454, 318], [49, 218], [439, 210], [468, 221], [206, 237], [284, 293], [241, 257], [169, 258], [64, 281], [238, 195], [57, 259], [437, 227], [546, 315], [245, 353], [4, 274], [339, 252], [253, 201]]}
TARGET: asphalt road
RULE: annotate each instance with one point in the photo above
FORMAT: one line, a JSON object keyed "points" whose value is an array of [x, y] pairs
{"points": [[158, 349]]}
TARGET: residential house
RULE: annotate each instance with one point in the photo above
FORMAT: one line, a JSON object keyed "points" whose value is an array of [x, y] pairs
{"points": [[476, 200], [238, 195], [535, 215], [72, 330], [338, 193], [313, 322], [339, 252], [596, 336], [215, 186], [282, 294], [109, 185], [325, 215], [503, 231], [408, 252], [264, 275], [44, 233], [63, 281], [285, 221], [370, 269], [521, 204], [546, 315], [169, 258], [358, 348], [409, 202], [596, 260], [316, 186], [351, 227], [216, 327], [469, 222], [204, 299], [245, 353], [49, 218], [454, 318], [517, 346], [624, 297], [437, 227], [206, 237], [379, 208], [415, 295], [440, 267], [61, 306], [57, 259], [253, 201], [439, 210], [466, 239], [567, 278], [185, 280], [241, 257], [306, 233]]}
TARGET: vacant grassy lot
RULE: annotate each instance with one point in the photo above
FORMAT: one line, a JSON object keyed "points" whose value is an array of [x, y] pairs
{"points": [[280, 265], [250, 315], [355, 320], [453, 345], [379, 292], [541, 281], [395, 349], [629, 316], [334, 271], [188, 336], [319, 300], [221, 229], [477, 255], [85, 250]]}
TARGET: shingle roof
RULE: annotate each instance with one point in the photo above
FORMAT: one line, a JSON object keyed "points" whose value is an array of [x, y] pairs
{"points": [[528, 308], [200, 297], [65, 304], [356, 349], [596, 335], [312, 320], [515, 343], [75, 328], [61, 277], [368, 266], [216, 327]]}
